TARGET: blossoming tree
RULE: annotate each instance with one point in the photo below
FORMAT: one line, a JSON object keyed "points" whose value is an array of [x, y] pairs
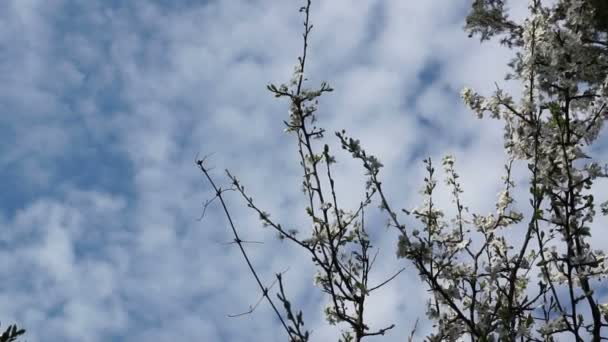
{"points": [[483, 287]]}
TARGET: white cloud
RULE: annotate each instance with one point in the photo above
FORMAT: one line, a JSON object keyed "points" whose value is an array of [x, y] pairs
{"points": [[158, 85]]}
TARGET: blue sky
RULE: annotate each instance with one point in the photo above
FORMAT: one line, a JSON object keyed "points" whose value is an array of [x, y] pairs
{"points": [[106, 104]]}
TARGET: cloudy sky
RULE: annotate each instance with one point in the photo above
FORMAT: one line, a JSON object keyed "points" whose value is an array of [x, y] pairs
{"points": [[105, 105]]}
